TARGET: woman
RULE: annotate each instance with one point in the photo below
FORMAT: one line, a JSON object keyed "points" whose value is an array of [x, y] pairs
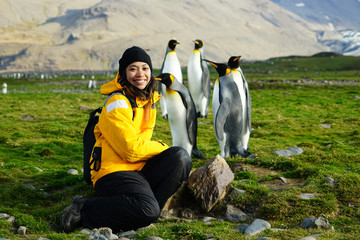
{"points": [[136, 175]]}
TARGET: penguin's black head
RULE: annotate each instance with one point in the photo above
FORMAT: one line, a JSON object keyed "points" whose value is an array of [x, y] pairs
{"points": [[172, 44], [198, 43], [234, 62], [221, 68], [165, 78]]}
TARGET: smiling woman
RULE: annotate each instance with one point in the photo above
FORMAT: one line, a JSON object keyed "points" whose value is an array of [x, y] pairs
{"points": [[133, 176]]}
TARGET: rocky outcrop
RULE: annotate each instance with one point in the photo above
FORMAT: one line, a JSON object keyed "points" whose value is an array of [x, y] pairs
{"points": [[208, 183]]}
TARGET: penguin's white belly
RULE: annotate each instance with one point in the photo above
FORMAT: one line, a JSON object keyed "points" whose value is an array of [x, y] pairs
{"points": [[163, 101], [245, 133], [215, 107], [195, 82], [240, 85], [172, 65], [177, 120]]}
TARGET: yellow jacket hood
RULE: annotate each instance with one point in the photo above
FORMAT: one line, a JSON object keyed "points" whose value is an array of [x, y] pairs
{"points": [[112, 86]]}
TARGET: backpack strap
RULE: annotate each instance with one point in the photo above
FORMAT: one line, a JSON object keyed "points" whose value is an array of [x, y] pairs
{"points": [[131, 100]]}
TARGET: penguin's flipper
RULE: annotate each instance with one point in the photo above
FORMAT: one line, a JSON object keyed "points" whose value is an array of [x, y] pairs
{"points": [[205, 79], [248, 107], [191, 117], [221, 115], [248, 100]]}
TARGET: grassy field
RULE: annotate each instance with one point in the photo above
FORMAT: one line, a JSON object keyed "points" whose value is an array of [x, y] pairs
{"points": [[41, 128], [322, 66]]}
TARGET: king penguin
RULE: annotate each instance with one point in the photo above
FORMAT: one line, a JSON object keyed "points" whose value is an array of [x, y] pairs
{"points": [[181, 114], [170, 65], [227, 112], [199, 79], [239, 78]]}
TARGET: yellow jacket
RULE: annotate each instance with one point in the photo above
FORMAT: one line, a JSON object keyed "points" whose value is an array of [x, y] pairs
{"points": [[123, 134]]}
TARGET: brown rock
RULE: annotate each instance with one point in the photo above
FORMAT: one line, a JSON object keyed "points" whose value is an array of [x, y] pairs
{"points": [[208, 183]]}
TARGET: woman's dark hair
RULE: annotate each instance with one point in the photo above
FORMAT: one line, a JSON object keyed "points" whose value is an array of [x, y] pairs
{"points": [[144, 94]]}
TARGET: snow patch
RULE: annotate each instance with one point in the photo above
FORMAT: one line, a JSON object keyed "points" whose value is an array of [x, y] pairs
{"points": [[346, 42]]}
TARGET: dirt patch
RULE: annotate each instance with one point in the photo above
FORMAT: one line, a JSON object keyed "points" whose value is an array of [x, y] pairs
{"points": [[276, 184], [260, 171]]}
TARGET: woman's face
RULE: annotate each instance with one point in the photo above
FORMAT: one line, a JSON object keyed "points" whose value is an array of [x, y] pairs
{"points": [[138, 74]]}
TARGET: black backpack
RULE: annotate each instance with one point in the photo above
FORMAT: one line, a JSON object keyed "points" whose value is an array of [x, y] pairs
{"points": [[89, 140]]}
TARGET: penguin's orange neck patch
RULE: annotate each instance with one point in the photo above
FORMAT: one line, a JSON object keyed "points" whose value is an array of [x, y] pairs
{"points": [[169, 91]]}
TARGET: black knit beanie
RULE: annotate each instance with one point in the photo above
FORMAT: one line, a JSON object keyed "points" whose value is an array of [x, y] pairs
{"points": [[131, 55]]}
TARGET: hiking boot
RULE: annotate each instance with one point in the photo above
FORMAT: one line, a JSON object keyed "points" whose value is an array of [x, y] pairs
{"points": [[71, 216]]}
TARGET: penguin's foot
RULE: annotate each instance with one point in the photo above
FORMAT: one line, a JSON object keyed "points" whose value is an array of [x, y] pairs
{"points": [[248, 154], [197, 153], [244, 154], [199, 115]]}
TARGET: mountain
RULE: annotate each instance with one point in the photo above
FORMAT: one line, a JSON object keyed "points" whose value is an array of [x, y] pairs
{"points": [[42, 35], [336, 22], [336, 14]]}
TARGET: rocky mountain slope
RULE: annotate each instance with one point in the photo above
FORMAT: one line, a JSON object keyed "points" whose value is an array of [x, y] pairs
{"points": [[91, 35], [338, 22], [336, 14]]}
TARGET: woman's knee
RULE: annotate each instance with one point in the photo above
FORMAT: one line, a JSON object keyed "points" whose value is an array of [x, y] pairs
{"points": [[148, 211], [181, 156]]}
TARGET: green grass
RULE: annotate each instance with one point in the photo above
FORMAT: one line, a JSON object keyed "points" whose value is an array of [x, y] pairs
{"points": [[283, 116], [322, 66]]}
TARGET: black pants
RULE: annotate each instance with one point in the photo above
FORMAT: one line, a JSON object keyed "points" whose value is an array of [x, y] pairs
{"points": [[129, 199]]}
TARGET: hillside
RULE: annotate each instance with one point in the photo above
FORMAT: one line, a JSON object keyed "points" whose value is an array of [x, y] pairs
{"points": [[71, 35]]}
